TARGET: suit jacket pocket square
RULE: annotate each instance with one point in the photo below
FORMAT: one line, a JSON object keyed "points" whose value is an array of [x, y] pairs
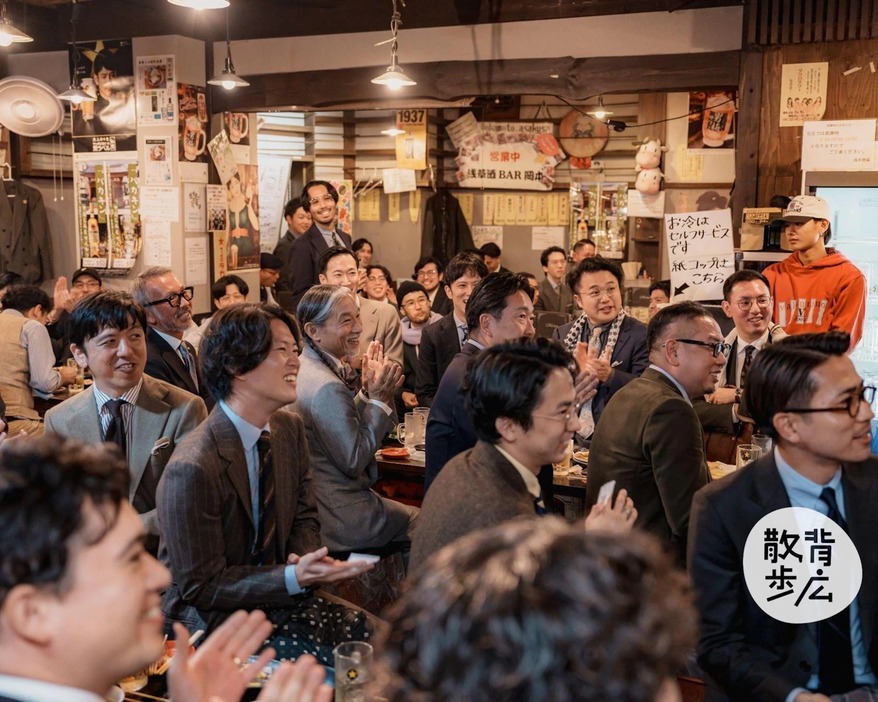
{"points": [[162, 443]]}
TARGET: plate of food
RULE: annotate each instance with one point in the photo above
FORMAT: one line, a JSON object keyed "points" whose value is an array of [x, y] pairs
{"points": [[581, 456], [394, 452]]}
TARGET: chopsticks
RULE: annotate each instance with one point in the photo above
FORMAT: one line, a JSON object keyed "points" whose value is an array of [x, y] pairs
{"points": [[164, 667], [145, 696]]}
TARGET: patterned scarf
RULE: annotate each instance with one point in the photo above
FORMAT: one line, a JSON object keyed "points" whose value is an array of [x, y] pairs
{"points": [[586, 415], [346, 374]]}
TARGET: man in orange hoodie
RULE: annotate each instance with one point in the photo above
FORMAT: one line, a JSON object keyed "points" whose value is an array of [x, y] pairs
{"points": [[815, 288]]}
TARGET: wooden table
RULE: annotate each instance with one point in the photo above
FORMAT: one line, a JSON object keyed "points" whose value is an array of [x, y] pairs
{"points": [[402, 479]]}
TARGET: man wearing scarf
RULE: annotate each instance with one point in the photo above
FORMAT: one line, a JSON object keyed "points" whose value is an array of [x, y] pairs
{"points": [[414, 306], [617, 351]]}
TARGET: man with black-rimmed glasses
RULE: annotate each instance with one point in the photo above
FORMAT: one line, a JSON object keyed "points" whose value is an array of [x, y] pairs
{"points": [[806, 394], [649, 439], [168, 307]]}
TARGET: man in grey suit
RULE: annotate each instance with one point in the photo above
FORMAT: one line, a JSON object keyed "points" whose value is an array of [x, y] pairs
{"points": [[346, 418], [649, 438], [145, 417], [805, 392], [380, 321], [522, 403], [236, 503]]}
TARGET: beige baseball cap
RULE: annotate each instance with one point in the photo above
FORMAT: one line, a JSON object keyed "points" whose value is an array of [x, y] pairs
{"points": [[806, 207]]}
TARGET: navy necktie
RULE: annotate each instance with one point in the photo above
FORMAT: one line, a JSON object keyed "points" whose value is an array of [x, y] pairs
{"points": [[834, 634]]}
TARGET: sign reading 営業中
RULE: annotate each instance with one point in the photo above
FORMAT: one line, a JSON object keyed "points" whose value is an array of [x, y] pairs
{"points": [[700, 253], [509, 155]]}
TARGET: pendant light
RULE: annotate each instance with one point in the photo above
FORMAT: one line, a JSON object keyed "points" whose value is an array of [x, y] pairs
{"points": [[9, 33], [600, 112], [227, 78], [201, 4], [393, 77], [75, 94]]}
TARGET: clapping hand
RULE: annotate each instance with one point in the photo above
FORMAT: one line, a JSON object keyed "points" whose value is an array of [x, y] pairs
{"points": [[381, 376]]}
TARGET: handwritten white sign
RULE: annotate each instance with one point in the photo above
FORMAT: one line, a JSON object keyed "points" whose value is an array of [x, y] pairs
{"points": [[700, 252]]}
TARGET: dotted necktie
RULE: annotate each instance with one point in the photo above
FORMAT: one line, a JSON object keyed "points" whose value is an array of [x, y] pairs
{"points": [[266, 552], [116, 428], [834, 634]]}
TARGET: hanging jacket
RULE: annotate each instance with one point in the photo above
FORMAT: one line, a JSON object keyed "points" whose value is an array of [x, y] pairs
{"points": [[827, 294], [25, 244], [445, 231]]}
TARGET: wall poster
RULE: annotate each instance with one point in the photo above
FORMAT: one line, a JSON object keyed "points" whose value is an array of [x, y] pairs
{"points": [[242, 193], [105, 70], [108, 210], [712, 119]]}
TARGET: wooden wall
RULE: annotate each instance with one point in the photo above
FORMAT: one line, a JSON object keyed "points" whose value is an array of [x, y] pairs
{"points": [[848, 97]]}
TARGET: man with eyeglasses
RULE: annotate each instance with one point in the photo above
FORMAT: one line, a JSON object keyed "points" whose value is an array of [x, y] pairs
{"points": [[649, 439], [85, 281], [338, 266], [815, 288], [414, 306], [617, 352], [805, 393], [168, 307], [747, 302], [320, 200], [522, 406], [429, 272]]}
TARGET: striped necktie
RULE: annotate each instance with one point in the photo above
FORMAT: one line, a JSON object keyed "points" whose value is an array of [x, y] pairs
{"points": [[266, 552], [188, 355]]}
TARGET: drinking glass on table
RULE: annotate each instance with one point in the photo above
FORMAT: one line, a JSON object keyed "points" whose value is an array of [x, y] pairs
{"points": [[353, 667], [763, 441], [747, 453], [408, 431], [421, 415], [79, 380]]}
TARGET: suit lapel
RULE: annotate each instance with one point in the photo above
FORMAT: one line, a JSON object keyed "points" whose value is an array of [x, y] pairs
{"points": [[84, 423], [174, 362], [369, 320], [147, 423], [231, 452], [860, 497]]}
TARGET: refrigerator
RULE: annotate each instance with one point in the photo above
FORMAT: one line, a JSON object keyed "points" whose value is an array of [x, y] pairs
{"points": [[853, 198]]}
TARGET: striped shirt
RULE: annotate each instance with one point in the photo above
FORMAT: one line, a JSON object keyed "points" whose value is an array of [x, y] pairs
{"points": [[130, 397]]}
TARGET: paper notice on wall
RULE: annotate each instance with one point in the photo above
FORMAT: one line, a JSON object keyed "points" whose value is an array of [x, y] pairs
{"points": [[489, 206], [690, 165], [157, 166], [700, 252], [462, 128], [553, 210], [274, 178], [483, 235], [156, 90], [641, 205], [399, 180], [160, 203], [466, 201], [839, 145], [195, 260], [802, 92], [221, 152], [415, 206], [194, 207], [369, 206], [216, 208], [157, 242], [521, 210], [393, 207], [544, 237]]}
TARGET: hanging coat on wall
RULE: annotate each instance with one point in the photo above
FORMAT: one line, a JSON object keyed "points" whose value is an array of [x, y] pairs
{"points": [[445, 232], [25, 245]]}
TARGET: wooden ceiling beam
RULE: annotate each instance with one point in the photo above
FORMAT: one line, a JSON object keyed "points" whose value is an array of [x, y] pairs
{"points": [[578, 79]]}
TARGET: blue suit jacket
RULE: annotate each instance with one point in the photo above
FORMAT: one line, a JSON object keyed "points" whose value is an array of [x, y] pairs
{"points": [[630, 358]]}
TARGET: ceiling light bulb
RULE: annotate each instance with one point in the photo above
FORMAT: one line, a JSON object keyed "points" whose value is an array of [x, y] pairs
{"points": [[393, 131], [228, 84], [201, 4], [600, 114], [5, 39]]}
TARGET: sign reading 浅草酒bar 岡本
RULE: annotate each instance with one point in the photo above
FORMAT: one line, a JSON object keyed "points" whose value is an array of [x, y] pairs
{"points": [[508, 155], [701, 253]]}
